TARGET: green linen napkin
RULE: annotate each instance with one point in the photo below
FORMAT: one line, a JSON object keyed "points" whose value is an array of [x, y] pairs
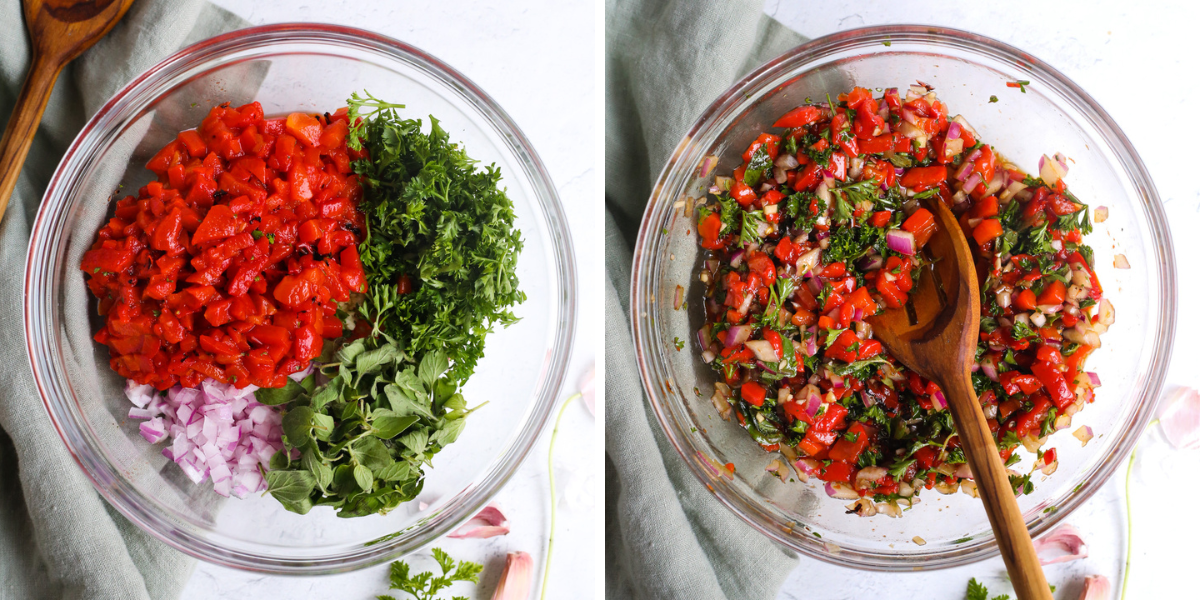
{"points": [[58, 537], [666, 536]]}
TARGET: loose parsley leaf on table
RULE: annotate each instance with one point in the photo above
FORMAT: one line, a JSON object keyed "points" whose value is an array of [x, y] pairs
{"points": [[425, 586], [976, 591]]}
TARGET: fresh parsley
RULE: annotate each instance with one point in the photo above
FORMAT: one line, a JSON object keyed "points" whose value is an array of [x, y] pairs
{"points": [[976, 591], [425, 585], [433, 215], [760, 165]]}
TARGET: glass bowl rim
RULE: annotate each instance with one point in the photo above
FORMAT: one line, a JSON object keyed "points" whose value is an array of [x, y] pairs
{"points": [[763, 81], [39, 278]]}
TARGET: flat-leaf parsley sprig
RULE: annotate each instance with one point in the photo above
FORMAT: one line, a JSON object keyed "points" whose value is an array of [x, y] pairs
{"points": [[425, 585], [441, 243]]}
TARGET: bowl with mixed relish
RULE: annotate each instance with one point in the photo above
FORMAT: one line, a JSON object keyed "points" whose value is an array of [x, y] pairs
{"points": [[797, 208]]}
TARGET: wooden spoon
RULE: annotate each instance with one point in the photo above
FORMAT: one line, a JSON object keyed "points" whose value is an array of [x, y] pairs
{"points": [[936, 337], [60, 30]]}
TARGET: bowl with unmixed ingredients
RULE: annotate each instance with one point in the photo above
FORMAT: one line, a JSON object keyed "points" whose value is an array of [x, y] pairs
{"points": [[971, 74], [288, 68]]}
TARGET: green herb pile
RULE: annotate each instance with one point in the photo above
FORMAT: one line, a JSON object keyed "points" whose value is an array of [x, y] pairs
{"points": [[358, 432], [436, 218]]}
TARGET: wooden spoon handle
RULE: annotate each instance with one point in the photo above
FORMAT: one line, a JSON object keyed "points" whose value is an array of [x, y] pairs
{"points": [[991, 477], [23, 123]]}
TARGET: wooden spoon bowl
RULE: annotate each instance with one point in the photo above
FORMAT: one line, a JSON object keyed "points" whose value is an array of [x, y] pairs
{"points": [[60, 30], [935, 335]]}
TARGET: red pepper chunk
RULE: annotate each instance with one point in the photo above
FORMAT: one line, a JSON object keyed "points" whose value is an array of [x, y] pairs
{"points": [[851, 444], [754, 393], [922, 178], [922, 225], [837, 471], [799, 117], [1056, 384]]}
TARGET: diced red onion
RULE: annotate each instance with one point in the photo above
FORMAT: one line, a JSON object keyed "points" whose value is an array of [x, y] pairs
{"points": [[1083, 434], [153, 430], [989, 369], [962, 122], [708, 356], [823, 193], [707, 165], [140, 395], [808, 261], [142, 413], [815, 285], [1049, 309], [1051, 170], [808, 466], [678, 296], [735, 259], [1120, 262], [763, 350], [974, 155], [954, 131], [871, 263], [737, 334], [814, 404], [1095, 378], [218, 431], [902, 242], [939, 400], [787, 161], [837, 381], [1100, 215], [972, 182], [952, 148], [962, 470]]}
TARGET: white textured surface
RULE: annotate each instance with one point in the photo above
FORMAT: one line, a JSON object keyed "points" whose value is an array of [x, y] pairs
{"points": [[537, 60], [1140, 65]]}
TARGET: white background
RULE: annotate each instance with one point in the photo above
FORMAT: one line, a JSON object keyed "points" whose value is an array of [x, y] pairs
{"points": [[1138, 60], [537, 60]]}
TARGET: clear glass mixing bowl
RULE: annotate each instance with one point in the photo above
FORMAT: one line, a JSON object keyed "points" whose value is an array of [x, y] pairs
{"points": [[1053, 115], [289, 68]]}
